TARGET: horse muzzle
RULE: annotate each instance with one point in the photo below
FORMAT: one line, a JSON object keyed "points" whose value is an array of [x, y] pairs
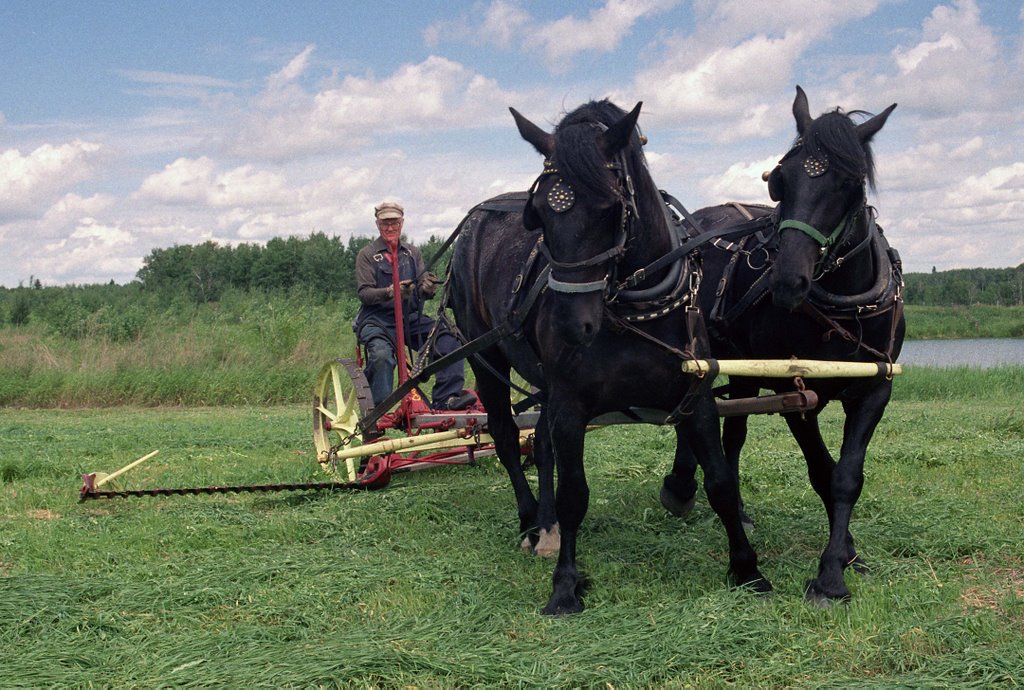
{"points": [[789, 291]]}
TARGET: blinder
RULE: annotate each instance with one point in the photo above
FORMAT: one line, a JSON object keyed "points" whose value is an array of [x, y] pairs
{"points": [[561, 197]]}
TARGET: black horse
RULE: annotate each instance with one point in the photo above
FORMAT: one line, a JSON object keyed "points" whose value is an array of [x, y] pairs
{"points": [[835, 289], [593, 214]]}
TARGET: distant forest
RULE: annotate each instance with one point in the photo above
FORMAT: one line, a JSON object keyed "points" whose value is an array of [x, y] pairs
{"points": [[322, 268], [964, 286]]}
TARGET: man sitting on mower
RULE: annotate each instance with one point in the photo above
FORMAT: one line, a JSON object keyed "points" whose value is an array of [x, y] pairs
{"points": [[375, 323]]}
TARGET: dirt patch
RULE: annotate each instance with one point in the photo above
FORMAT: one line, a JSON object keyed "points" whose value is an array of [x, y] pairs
{"points": [[1003, 582], [43, 514]]}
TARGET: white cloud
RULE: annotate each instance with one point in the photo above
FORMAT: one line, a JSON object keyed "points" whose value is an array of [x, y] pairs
{"points": [[968, 149], [743, 17], [295, 67], [602, 31], [713, 77], [99, 233], [503, 22], [435, 94], [996, 195], [909, 59], [196, 181], [26, 181], [720, 82], [740, 182], [954, 66], [184, 180], [171, 78], [506, 25], [69, 209]]}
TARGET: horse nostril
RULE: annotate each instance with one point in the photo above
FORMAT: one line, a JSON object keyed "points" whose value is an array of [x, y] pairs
{"points": [[791, 292], [588, 329]]}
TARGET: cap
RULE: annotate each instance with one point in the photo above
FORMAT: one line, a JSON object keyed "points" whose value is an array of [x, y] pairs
{"points": [[388, 209]]}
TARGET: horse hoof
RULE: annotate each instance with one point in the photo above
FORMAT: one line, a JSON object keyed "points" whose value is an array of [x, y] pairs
{"points": [[760, 586], [568, 607], [549, 543], [756, 582], [821, 599], [674, 505]]}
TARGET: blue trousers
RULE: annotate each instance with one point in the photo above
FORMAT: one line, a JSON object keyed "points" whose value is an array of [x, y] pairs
{"points": [[379, 341]]}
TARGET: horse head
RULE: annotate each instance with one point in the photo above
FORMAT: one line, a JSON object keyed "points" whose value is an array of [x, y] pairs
{"points": [[585, 202], [820, 186]]}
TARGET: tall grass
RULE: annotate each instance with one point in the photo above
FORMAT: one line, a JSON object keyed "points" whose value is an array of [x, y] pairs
{"points": [[241, 350], [245, 349], [973, 321]]}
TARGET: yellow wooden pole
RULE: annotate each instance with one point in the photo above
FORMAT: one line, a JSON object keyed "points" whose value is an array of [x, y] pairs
{"points": [[408, 443], [102, 479], [424, 442], [786, 368]]}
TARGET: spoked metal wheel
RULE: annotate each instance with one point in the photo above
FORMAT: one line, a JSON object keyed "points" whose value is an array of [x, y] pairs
{"points": [[340, 400]]}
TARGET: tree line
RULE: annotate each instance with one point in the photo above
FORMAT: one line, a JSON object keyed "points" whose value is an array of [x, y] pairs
{"points": [[966, 286], [323, 268], [321, 265]]}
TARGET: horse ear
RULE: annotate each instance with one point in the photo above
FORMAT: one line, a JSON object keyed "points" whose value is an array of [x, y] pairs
{"points": [[541, 140], [801, 111], [868, 129], [616, 137]]}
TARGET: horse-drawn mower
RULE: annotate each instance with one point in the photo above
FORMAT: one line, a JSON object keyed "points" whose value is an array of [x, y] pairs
{"points": [[360, 446]]}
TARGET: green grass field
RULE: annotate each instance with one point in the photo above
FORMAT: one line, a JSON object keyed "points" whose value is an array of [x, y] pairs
{"points": [[421, 584]]}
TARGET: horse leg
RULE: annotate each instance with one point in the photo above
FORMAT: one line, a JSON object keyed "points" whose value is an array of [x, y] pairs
{"points": [[723, 493], [820, 467], [495, 396], [565, 430], [734, 436], [549, 537], [679, 489], [862, 417]]}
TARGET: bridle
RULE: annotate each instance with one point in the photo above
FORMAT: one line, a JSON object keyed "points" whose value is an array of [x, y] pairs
{"points": [[817, 165], [561, 197]]}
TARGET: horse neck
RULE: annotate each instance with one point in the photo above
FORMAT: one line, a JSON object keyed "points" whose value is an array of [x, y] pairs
{"points": [[652, 237]]}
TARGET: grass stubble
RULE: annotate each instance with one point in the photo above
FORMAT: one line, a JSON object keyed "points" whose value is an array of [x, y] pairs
{"points": [[421, 584]]}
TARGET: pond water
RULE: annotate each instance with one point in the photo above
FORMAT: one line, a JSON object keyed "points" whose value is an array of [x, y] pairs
{"points": [[973, 352]]}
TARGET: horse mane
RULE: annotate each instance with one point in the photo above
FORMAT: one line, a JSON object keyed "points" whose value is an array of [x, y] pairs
{"points": [[580, 162], [835, 134]]}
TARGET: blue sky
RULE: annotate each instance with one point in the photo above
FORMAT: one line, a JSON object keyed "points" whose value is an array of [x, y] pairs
{"points": [[130, 126]]}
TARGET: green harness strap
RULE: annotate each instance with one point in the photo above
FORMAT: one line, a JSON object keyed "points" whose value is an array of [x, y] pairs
{"points": [[814, 233]]}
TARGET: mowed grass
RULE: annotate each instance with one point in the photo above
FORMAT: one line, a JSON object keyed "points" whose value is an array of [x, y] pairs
{"points": [[421, 584]]}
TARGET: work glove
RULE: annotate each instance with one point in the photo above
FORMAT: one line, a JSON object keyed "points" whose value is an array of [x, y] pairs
{"points": [[428, 284], [407, 288]]}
